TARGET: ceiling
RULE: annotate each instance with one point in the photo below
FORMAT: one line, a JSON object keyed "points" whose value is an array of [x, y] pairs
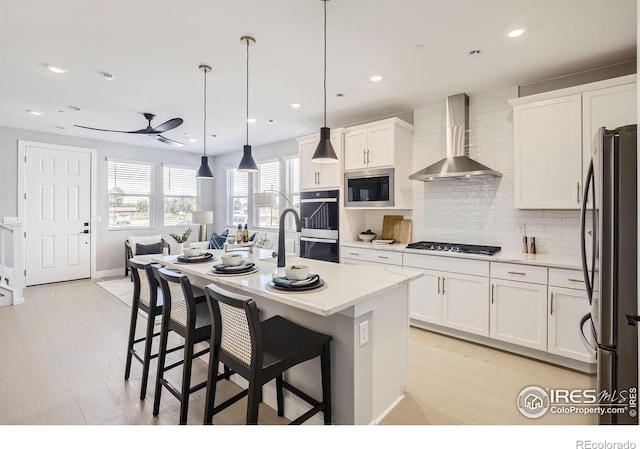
{"points": [[154, 47]]}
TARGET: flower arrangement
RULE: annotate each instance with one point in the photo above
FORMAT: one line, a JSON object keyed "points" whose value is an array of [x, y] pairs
{"points": [[181, 238]]}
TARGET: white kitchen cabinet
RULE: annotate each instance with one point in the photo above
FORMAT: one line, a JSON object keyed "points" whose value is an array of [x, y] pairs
{"points": [[553, 139], [379, 144], [425, 298], [464, 303], [320, 176], [567, 306], [519, 313], [547, 153]]}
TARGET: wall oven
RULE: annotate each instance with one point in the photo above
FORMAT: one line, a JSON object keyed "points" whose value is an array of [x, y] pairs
{"points": [[319, 219], [369, 188]]}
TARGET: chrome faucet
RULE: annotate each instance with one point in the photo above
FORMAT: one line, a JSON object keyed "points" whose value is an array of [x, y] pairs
{"points": [[281, 250]]}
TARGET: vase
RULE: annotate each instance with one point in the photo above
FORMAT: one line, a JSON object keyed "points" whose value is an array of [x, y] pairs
{"points": [[178, 248]]}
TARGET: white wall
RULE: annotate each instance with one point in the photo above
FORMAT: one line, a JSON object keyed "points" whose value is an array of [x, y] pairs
{"points": [[476, 210], [110, 244]]}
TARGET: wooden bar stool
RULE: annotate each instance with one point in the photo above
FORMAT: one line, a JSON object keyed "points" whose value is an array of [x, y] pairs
{"points": [[147, 297], [262, 351], [188, 316]]}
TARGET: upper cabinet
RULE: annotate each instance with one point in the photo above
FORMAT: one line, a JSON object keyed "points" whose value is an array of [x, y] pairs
{"points": [[320, 176], [553, 138], [385, 143]]}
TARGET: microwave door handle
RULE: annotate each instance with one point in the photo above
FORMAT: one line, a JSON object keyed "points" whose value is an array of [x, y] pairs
{"points": [[583, 244], [310, 239]]}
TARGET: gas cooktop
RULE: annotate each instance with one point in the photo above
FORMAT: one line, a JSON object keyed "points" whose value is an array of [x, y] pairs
{"points": [[455, 248]]}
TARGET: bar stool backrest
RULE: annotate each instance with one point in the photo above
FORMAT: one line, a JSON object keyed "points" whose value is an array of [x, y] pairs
{"points": [[237, 331], [145, 286], [178, 296]]}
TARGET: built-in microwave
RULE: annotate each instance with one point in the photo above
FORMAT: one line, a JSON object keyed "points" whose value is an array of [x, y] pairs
{"points": [[369, 188]]}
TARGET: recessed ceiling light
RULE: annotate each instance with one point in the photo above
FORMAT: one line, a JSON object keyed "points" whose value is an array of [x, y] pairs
{"points": [[420, 47], [192, 140], [271, 122], [516, 32], [55, 69], [376, 78], [295, 105], [107, 76], [251, 120], [36, 113]]}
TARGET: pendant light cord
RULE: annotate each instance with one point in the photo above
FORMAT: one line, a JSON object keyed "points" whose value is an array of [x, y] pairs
{"points": [[247, 91], [325, 63], [204, 129]]}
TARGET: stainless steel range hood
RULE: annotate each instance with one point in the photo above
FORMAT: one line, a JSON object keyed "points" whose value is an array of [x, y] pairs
{"points": [[456, 164]]}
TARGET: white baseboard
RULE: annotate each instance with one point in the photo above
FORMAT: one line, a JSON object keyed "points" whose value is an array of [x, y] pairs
{"points": [[108, 273], [387, 411]]}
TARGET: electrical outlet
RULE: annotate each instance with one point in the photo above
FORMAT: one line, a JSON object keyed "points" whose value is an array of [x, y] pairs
{"points": [[364, 333], [522, 229]]}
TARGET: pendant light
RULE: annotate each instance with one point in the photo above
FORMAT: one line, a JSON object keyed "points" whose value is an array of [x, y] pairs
{"points": [[204, 172], [324, 152], [247, 164]]}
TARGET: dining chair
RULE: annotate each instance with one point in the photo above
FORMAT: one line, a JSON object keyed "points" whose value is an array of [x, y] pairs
{"points": [[188, 316], [261, 351]]}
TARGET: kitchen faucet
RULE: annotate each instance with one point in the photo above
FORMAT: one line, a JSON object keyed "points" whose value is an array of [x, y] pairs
{"points": [[281, 250]]}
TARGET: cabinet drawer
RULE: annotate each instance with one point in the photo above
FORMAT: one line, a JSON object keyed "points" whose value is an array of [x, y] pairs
{"points": [[559, 277], [372, 255], [444, 263], [518, 272]]}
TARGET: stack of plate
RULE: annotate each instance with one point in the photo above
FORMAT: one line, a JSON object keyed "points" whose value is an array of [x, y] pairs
{"points": [[381, 243], [204, 257], [245, 267], [311, 282]]}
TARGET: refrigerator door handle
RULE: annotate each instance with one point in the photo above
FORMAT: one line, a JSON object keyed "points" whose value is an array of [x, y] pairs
{"points": [[583, 219], [583, 337]]}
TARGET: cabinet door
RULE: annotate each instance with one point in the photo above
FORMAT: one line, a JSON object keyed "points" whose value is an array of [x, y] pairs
{"points": [[611, 107], [380, 149], [308, 170], [425, 299], [566, 308], [465, 303], [330, 175], [355, 150], [548, 154], [519, 313]]}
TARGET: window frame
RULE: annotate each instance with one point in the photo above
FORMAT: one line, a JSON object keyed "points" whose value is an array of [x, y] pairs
{"points": [[164, 196], [256, 187], [230, 195], [151, 195]]}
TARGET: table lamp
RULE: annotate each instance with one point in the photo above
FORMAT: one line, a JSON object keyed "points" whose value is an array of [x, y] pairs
{"points": [[203, 218]]}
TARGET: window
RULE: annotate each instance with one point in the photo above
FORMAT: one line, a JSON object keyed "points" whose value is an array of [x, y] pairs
{"points": [[268, 179], [238, 196], [180, 195], [129, 185]]}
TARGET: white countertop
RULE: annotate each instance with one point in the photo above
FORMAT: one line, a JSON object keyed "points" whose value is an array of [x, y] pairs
{"points": [[547, 260], [347, 285]]}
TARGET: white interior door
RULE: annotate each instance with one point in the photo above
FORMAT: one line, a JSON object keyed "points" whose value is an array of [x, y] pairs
{"points": [[56, 215]]}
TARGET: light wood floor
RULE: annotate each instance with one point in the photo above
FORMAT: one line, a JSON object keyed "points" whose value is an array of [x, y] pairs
{"points": [[63, 353]]}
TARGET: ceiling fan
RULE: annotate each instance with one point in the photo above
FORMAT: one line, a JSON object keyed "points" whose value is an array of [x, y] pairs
{"points": [[149, 131]]}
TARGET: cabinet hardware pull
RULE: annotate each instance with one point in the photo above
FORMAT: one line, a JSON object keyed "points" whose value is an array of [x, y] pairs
{"points": [[517, 272], [367, 158], [551, 311], [318, 177], [364, 157], [577, 280], [383, 257], [492, 289], [578, 192], [443, 279], [438, 284], [355, 254]]}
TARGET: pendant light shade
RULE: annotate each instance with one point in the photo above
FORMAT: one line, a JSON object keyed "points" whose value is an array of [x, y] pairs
{"points": [[325, 153], [247, 164], [204, 172]]}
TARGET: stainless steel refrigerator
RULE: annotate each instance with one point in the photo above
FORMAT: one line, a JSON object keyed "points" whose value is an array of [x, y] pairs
{"points": [[610, 266]]}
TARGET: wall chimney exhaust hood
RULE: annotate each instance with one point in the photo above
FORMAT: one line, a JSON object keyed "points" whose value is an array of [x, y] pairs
{"points": [[456, 164]]}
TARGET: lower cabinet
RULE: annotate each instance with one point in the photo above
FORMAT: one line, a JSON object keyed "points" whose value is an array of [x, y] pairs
{"points": [[519, 313], [425, 298], [464, 303]]}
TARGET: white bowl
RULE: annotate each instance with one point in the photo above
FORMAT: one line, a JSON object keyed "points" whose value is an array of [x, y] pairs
{"points": [[367, 237], [297, 272], [191, 252], [231, 260]]}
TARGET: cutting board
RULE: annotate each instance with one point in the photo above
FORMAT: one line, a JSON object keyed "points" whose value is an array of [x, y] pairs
{"points": [[388, 223], [402, 231]]}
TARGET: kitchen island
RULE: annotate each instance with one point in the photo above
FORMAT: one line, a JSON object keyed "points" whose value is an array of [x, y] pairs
{"points": [[364, 308]]}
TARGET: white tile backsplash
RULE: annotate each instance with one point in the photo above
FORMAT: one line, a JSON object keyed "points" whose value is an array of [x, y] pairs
{"points": [[478, 210]]}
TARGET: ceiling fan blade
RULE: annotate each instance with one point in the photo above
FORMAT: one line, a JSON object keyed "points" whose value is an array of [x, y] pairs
{"points": [[168, 141], [168, 125], [109, 130]]}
